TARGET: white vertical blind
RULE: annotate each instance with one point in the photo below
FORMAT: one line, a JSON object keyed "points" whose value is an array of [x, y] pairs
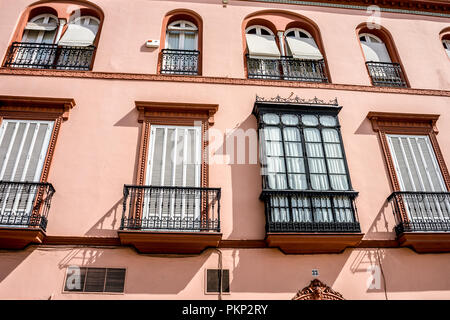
{"points": [[23, 147], [174, 160], [418, 170], [416, 164]]}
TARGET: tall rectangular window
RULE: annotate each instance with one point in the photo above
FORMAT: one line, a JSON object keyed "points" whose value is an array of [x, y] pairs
{"points": [[23, 148], [418, 171], [174, 161]]}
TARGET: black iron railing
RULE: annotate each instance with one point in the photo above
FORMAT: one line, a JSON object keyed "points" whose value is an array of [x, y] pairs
{"points": [[385, 74], [179, 61], [49, 56], [421, 211], [310, 211], [171, 208], [25, 204], [287, 68]]}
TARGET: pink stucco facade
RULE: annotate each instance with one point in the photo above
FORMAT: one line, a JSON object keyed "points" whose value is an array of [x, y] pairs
{"points": [[97, 152]]}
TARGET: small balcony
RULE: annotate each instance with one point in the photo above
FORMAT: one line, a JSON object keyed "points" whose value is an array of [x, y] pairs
{"points": [[422, 220], [170, 219], [24, 210], [311, 222], [49, 56], [287, 68], [384, 74], [184, 62]]}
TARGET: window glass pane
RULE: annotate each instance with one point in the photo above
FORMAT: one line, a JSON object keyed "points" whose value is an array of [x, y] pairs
{"points": [[338, 182], [173, 40], [310, 120], [312, 135], [293, 149], [328, 121], [301, 209], [333, 150], [336, 166], [330, 135], [291, 134], [279, 209], [271, 118], [314, 150], [295, 165], [297, 181], [190, 41], [289, 119]]}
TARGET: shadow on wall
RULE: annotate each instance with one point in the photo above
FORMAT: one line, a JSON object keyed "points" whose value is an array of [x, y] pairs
{"points": [[245, 179], [11, 259], [146, 274], [109, 223]]}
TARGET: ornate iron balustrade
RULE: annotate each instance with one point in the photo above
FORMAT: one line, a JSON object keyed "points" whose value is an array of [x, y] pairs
{"points": [[171, 208], [287, 68], [49, 56], [310, 211], [179, 61], [386, 74], [421, 211], [25, 204]]}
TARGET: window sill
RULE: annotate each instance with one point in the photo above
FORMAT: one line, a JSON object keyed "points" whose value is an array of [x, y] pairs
{"points": [[170, 242], [306, 243], [426, 242], [19, 238]]}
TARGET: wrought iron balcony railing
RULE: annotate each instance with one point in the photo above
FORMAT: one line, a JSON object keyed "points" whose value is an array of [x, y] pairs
{"points": [[386, 74], [287, 68], [310, 211], [179, 61], [49, 56], [25, 204], [171, 208], [421, 211]]}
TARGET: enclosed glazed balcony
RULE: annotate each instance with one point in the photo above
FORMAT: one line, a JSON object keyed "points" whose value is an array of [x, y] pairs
{"points": [[24, 208], [385, 74], [183, 62], [170, 219], [319, 221], [287, 68], [49, 56], [422, 220]]}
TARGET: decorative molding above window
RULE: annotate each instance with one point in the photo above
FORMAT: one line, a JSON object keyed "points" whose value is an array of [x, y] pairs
{"points": [[35, 107]]}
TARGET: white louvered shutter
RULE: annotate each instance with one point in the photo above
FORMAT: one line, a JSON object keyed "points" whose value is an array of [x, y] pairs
{"points": [[418, 170], [23, 148], [174, 161]]}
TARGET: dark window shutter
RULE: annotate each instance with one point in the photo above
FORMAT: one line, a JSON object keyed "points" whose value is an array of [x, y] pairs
{"points": [[115, 280], [213, 280], [95, 280]]}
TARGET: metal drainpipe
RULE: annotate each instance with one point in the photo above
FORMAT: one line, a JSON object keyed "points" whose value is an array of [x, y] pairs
{"points": [[281, 40]]}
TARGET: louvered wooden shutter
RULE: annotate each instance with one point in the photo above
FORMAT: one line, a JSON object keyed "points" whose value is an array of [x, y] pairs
{"points": [[416, 164], [23, 147], [174, 156]]}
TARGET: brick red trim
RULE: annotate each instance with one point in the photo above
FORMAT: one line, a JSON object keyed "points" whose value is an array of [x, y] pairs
{"points": [[220, 80]]}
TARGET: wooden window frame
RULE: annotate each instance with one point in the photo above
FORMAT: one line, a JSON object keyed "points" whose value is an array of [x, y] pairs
{"points": [[176, 114], [33, 108]]}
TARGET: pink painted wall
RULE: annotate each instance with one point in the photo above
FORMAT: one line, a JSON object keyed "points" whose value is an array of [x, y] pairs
{"points": [[41, 271], [97, 153]]}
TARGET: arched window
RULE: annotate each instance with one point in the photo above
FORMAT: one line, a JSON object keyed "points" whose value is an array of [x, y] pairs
{"points": [[261, 43], [182, 35], [81, 32], [446, 44], [381, 59], [41, 29], [301, 45], [374, 48]]}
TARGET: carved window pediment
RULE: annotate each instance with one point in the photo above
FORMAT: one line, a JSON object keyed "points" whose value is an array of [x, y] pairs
{"points": [[317, 290]]}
